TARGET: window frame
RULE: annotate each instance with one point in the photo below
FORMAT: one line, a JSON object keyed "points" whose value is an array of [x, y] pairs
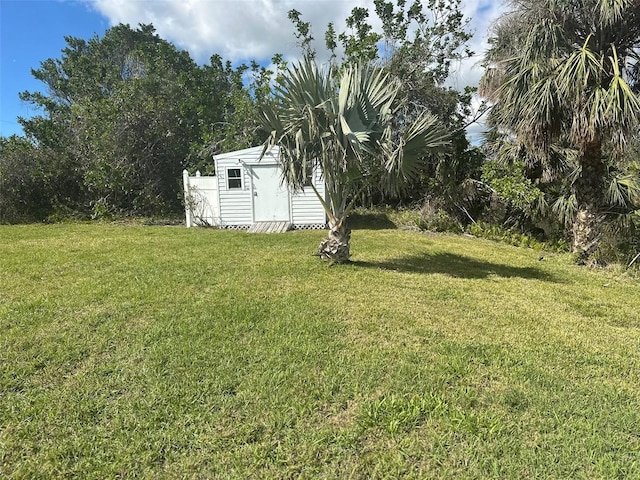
{"points": [[238, 178]]}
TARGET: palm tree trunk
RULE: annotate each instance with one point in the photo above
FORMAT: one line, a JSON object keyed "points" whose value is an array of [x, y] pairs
{"points": [[589, 192], [337, 244]]}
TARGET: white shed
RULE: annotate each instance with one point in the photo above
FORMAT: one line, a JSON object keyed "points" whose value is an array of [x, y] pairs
{"points": [[246, 190]]}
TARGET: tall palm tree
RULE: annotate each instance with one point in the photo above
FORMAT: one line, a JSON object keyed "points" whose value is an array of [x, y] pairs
{"points": [[341, 123], [566, 73]]}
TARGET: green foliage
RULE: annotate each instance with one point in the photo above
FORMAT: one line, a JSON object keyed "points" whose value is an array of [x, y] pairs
{"points": [[421, 42], [509, 182], [343, 125], [536, 194], [418, 44], [620, 241], [563, 80], [239, 125], [126, 113], [430, 217], [514, 236], [120, 115], [303, 33], [360, 43], [434, 218], [22, 186], [384, 217]]}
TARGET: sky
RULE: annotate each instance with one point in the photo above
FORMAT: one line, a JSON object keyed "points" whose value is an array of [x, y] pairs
{"points": [[32, 31]]}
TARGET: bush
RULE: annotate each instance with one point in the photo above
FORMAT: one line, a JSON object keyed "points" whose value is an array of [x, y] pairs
{"points": [[428, 217], [514, 237], [21, 184], [620, 241], [435, 219]]}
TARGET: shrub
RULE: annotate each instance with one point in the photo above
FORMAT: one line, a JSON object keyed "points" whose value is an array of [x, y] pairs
{"points": [[435, 219], [21, 186], [514, 237]]}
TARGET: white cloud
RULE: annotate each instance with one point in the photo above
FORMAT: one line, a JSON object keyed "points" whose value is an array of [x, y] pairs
{"points": [[238, 30], [481, 14], [242, 30]]}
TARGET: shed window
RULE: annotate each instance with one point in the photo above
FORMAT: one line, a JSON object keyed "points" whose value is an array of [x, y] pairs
{"points": [[234, 178]]}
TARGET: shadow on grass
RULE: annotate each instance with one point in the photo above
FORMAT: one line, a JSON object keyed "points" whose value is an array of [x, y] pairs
{"points": [[457, 266]]}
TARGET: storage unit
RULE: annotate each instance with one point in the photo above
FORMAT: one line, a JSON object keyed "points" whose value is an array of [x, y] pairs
{"points": [[246, 190]]}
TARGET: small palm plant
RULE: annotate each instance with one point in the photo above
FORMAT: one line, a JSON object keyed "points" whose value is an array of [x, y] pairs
{"points": [[342, 123]]}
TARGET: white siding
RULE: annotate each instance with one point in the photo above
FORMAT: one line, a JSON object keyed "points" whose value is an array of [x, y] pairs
{"points": [[306, 207], [236, 205]]}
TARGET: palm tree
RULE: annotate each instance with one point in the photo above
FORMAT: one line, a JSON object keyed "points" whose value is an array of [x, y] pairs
{"points": [[341, 123], [565, 74]]}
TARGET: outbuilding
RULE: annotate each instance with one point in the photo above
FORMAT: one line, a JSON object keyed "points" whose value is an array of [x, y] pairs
{"points": [[247, 190]]}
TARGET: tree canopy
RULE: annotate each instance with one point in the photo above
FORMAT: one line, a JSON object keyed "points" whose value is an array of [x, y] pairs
{"points": [[123, 114], [564, 78], [418, 43]]}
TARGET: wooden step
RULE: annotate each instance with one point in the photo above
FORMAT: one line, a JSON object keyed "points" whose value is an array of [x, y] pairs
{"points": [[270, 227]]}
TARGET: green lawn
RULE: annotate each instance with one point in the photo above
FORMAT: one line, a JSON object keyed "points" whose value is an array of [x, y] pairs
{"points": [[162, 352]]}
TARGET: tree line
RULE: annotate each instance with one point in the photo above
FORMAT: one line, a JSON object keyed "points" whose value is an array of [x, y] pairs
{"points": [[124, 114], [121, 117]]}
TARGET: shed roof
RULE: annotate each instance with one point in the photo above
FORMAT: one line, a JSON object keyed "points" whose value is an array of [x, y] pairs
{"points": [[252, 153]]}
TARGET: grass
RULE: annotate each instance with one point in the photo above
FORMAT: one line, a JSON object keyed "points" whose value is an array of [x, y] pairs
{"points": [[162, 352]]}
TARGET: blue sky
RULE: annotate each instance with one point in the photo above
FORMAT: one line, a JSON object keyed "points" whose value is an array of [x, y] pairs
{"points": [[33, 30]]}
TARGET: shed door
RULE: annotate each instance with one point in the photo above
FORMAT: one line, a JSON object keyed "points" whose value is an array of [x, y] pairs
{"points": [[270, 199]]}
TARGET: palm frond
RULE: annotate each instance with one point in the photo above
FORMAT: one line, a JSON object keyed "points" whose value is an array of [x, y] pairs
{"points": [[343, 126], [424, 136], [623, 191], [565, 207]]}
